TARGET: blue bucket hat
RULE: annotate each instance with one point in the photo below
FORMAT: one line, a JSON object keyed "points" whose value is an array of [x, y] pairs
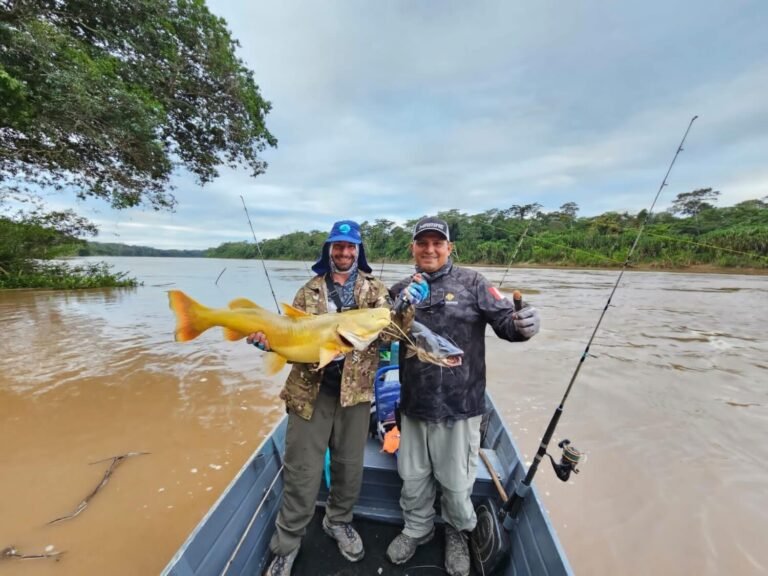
{"points": [[342, 231]]}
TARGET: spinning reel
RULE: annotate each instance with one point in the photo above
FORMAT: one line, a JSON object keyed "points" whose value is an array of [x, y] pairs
{"points": [[568, 460]]}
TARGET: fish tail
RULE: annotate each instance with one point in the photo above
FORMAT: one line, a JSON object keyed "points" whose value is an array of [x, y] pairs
{"points": [[190, 316]]}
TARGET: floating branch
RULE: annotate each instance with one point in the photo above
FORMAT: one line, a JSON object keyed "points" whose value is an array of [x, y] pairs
{"points": [[116, 460], [11, 552]]}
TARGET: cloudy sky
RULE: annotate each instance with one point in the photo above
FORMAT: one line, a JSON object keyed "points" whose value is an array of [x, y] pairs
{"points": [[397, 109]]}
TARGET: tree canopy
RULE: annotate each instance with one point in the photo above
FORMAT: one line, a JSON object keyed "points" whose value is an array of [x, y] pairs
{"points": [[692, 203], [734, 236], [107, 98]]}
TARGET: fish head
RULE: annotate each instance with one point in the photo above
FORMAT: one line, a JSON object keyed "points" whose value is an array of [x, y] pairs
{"points": [[358, 328], [433, 348]]}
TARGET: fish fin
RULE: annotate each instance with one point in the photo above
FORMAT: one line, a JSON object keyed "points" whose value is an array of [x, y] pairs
{"points": [[326, 356], [273, 362], [292, 312], [233, 335], [190, 316], [243, 303], [410, 351]]}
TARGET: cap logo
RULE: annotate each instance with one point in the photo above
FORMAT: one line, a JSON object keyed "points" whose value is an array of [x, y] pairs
{"points": [[345, 228]]}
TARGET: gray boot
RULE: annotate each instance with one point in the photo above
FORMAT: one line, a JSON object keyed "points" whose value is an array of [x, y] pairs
{"points": [[403, 547], [456, 552], [281, 565], [349, 541]]}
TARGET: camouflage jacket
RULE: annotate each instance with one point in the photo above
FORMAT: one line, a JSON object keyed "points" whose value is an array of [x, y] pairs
{"points": [[303, 383]]}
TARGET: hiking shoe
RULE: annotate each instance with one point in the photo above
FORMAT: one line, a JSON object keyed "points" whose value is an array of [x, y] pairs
{"points": [[456, 552], [281, 565], [349, 541], [403, 547]]}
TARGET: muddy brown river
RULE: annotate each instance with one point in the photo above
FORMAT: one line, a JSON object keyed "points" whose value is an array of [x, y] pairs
{"points": [[671, 409]]}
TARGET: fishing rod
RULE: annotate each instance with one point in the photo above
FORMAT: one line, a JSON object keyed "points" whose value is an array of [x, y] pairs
{"points": [[514, 254], [261, 255], [511, 507]]}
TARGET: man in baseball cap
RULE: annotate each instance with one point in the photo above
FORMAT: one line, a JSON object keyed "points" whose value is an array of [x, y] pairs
{"points": [[441, 410]]}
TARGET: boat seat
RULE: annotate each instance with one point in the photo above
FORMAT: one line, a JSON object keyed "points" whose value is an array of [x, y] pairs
{"points": [[375, 459]]}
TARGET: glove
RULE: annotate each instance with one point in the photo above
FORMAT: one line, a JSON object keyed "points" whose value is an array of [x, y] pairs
{"points": [[259, 339], [415, 292], [527, 322]]}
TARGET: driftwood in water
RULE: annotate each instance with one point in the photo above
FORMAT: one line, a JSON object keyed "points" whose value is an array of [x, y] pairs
{"points": [[11, 552], [116, 460]]}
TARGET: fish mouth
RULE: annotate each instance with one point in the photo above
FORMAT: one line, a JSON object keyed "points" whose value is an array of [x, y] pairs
{"points": [[449, 361], [357, 341]]}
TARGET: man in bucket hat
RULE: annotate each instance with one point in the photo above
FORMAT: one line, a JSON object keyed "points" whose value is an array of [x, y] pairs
{"points": [[441, 410], [330, 407]]}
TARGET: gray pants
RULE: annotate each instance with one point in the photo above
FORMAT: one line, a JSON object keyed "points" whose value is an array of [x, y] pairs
{"points": [[432, 453], [344, 430]]}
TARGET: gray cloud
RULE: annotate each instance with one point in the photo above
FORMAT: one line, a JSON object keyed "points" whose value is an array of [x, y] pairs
{"points": [[397, 109]]}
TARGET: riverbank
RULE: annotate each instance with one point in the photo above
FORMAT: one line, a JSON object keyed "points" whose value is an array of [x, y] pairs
{"points": [[694, 269]]}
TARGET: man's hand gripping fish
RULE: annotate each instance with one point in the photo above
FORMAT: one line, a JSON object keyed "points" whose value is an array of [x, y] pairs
{"points": [[294, 337]]}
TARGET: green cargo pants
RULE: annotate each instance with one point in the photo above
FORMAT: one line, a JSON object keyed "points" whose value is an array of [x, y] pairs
{"points": [[344, 430]]}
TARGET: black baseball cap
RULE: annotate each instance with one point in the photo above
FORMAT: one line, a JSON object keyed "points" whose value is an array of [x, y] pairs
{"points": [[430, 224]]}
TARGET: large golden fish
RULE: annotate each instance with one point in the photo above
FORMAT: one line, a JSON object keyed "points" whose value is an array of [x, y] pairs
{"points": [[295, 337]]}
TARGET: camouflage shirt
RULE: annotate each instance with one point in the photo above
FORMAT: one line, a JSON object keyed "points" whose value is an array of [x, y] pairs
{"points": [[303, 383]]}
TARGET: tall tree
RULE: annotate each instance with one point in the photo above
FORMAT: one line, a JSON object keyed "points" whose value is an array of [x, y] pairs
{"points": [[570, 209], [692, 203], [107, 98], [521, 211]]}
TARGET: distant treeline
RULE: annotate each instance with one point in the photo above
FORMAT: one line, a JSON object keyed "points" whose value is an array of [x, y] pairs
{"points": [[694, 232], [115, 249]]}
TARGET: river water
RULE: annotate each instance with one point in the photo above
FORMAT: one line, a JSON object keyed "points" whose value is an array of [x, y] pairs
{"points": [[671, 409]]}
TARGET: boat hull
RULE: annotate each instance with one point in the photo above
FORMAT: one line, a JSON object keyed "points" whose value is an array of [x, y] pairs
{"points": [[233, 537]]}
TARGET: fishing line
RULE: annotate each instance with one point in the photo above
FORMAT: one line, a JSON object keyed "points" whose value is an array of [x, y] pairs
{"points": [[261, 255], [751, 254], [514, 254], [572, 249], [656, 235], [511, 507], [538, 239]]}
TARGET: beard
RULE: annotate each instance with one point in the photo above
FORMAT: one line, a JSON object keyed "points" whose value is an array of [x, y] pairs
{"points": [[340, 265]]}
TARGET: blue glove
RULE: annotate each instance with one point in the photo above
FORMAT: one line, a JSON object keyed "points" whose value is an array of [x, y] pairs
{"points": [[527, 322], [258, 339], [415, 292]]}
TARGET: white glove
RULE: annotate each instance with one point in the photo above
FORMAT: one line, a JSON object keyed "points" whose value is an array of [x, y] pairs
{"points": [[527, 322]]}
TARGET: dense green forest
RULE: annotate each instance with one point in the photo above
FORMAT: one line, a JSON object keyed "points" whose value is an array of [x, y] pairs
{"points": [[116, 249], [692, 233]]}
